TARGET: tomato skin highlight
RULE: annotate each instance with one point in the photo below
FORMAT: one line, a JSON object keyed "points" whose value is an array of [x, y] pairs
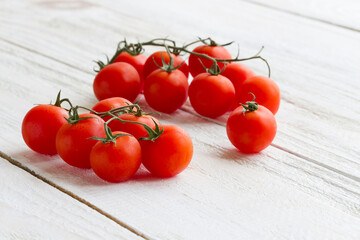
{"points": [[137, 62], [252, 132], [118, 79], [116, 162], [212, 51], [237, 74], [72, 141], [40, 126], [266, 91], [211, 96], [166, 91], [169, 154], [150, 66], [134, 129]]}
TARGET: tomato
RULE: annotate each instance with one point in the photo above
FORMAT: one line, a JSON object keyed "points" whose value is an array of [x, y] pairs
{"points": [[40, 126], [213, 51], [110, 103], [266, 91], [134, 129], [166, 91], [116, 162], [150, 66], [237, 74], [73, 143], [253, 131], [169, 154], [211, 96], [117, 80], [137, 62]]}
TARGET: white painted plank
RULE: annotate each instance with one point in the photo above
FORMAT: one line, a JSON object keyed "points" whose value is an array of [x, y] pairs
{"points": [[343, 13], [313, 63], [223, 194], [32, 209]]}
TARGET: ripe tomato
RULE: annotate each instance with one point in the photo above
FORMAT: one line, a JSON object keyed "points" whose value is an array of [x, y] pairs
{"points": [[116, 162], [40, 126], [72, 141], [134, 129], [137, 62], [211, 96], [266, 91], [253, 131], [150, 66], [237, 74], [212, 51], [110, 103], [117, 80], [169, 154], [166, 91]]}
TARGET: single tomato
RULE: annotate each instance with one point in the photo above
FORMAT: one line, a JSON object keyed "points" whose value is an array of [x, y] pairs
{"points": [[116, 162], [166, 91], [137, 61], [118, 79], [169, 154], [150, 66], [252, 131], [266, 91], [211, 96], [212, 50], [110, 103], [73, 143], [40, 126]]}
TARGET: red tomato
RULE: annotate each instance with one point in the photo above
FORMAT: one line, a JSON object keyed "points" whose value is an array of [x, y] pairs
{"points": [[237, 74], [266, 91], [117, 80], [211, 96], [110, 103], [212, 51], [137, 62], [169, 154], [150, 66], [40, 126], [116, 162], [134, 129], [166, 91], [253, 131], [72, 141]]}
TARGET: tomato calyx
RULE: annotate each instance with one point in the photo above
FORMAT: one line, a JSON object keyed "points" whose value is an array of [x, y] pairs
{"points": [[110, 138], [74, 117], [214, 69], [168, 67], [250, 106]]}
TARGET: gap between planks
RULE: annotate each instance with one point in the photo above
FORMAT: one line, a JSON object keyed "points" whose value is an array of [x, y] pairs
{"points": [[307, 159], [301, 15], [72, 195]]}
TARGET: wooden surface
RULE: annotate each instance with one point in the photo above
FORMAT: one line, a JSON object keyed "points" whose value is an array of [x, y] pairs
{"points": [[306, 185]]}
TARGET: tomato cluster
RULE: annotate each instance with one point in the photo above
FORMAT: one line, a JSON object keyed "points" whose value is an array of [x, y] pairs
{"points": [[113, 139]]}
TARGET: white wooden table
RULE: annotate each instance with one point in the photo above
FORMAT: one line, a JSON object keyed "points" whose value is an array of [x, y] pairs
{"points": [[306, 185]]}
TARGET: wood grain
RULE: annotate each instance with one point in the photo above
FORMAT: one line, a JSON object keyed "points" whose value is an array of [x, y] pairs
{"points": [[223, 193], [32, 209]]}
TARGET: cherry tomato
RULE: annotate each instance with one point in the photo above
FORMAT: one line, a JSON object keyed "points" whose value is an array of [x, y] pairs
{"points": [[211, 96], [213, 51], [73, 143], [116, 162], [137, 62], [237, 74], [169, 154], [117, 80], [166, 91], [150, 66], [40, 126], [266, 91], [253, 131], [110, 103], [134, 129]]}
